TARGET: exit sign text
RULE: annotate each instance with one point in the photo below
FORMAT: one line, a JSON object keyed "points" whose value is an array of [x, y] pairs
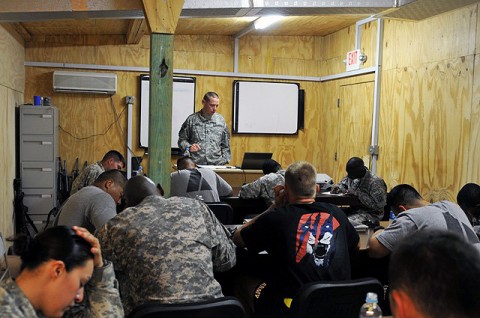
{"points": [[353, 60]]}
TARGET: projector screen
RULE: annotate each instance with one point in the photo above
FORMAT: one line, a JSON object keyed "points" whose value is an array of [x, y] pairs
{"points": [[265, 108], [183, 104]]}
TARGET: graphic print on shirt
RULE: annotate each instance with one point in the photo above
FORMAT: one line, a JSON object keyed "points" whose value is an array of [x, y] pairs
{"points": [[314, 238]]}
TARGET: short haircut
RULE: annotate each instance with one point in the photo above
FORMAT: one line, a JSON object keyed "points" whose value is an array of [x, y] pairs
{"points": [[469, 195], [59, 243], [182, 162], [439, 271], [402, 194], [301, 178], [355, 163], [117, 157], [115, 175], [270, 166], [208, 95], [137, 189]]}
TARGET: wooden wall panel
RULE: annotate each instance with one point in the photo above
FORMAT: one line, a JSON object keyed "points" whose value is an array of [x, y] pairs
{"points": [[425, 131], [445, 36], [12, 84], [294, 47], [477, 38], [12, 59], [472, 161], [7, 168]]}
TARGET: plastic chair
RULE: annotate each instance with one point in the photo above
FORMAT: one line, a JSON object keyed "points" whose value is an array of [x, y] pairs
{"points": [[223, 211], [337, 299], [4, 260], [225, 307]]}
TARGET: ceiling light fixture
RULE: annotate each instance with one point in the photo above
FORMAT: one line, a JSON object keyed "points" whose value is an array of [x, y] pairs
{"points": [[266, 21]]}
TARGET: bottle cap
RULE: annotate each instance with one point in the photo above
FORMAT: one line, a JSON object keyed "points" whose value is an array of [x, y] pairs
{"points": [[371, 298]]}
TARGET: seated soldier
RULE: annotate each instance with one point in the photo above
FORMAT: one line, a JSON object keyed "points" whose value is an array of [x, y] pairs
{"points": [[94, 205], [414, 214], [307, 241], [263, 186], [469, 200], [111, 160], [434, 274], [165, 250], [195, 182], [370, 190]]}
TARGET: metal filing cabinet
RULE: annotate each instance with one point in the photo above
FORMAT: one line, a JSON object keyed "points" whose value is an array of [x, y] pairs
{"points": [[38, 152]]}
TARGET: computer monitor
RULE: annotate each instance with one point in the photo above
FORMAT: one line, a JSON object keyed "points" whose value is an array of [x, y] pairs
{"points": [[255, 160]]}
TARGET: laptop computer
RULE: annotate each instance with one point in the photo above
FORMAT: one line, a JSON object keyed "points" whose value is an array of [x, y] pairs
{"points": [[255, 160]]}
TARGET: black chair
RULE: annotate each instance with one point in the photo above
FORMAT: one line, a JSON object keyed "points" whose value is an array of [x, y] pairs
{"points": [[226, 307], [338, 299], [223, 211]]}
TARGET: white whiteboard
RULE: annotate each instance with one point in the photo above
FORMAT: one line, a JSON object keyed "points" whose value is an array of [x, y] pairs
{"points": [[183, 105], [265, 107]]}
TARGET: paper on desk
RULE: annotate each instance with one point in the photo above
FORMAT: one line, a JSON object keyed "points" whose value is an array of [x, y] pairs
{"points": [[361, 227], [329, 193], [216, 167]]}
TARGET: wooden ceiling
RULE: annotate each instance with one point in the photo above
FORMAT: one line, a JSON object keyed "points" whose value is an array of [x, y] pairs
{"points": [[31, 19], [289, 26]]}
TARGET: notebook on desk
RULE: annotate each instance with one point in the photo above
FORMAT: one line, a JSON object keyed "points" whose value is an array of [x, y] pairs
{"points": [[255, 160]]}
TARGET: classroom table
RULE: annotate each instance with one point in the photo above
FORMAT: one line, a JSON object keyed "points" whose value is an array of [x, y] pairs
{"points": [[338, 199], [363, 233], [243, 207], [236, 177]]}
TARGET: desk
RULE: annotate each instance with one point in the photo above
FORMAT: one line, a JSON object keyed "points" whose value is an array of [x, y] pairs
{"points": [[338, 199], [237, 177], [243, 207], [363, 234]]}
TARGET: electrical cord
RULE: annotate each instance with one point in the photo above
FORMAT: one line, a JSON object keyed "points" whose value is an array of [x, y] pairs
{"points": [[94, 135]]}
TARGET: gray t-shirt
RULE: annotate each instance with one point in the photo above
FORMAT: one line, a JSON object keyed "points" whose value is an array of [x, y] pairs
{"points": [[199, 181], [442, 215], [90, 207]]}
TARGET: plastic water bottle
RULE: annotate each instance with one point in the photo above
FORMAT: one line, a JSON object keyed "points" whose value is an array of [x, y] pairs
{"points": [[140, 171], [187, 152], [391, 217], [370, 309]]}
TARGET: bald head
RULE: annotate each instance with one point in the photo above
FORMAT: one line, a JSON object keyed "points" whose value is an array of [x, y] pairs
{"points": [[185, 162], [355, 168], [137, 189]]}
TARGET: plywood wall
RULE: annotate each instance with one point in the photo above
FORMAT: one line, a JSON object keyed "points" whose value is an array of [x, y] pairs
{"points": [[429, 119], [12, 81], [429, 122]]}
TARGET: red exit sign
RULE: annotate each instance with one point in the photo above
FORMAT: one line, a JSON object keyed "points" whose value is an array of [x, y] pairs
{"points": [[353, 60]]}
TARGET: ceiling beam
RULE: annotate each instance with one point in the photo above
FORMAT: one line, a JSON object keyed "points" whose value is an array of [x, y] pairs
{"points": [[20, 29], [162, 16], [28, 10], [136, 30]]}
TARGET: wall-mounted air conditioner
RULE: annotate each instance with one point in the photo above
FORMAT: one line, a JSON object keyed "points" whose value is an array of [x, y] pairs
{"points": [[84, 82]]}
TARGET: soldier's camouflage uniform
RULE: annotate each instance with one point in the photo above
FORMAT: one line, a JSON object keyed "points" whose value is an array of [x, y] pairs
{"points": [[87, 176], [372, 193], [263, 187], [101, 298], [167, 250], [211, 134]]}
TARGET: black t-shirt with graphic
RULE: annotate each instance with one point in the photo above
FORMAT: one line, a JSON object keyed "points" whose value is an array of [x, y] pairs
{"points": [[305, 243]]}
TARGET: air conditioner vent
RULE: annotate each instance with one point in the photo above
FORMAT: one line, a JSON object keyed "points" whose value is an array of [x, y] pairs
{"points": [[84, 82]]}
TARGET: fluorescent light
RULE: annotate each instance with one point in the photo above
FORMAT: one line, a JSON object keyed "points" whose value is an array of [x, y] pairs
{"points": [[266, 21]]}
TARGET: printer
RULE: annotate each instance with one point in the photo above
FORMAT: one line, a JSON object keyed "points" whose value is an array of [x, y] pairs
{"points": [[325, 182]]}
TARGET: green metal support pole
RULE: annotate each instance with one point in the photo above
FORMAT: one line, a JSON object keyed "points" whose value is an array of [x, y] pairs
{"points": [[160, 122]]}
